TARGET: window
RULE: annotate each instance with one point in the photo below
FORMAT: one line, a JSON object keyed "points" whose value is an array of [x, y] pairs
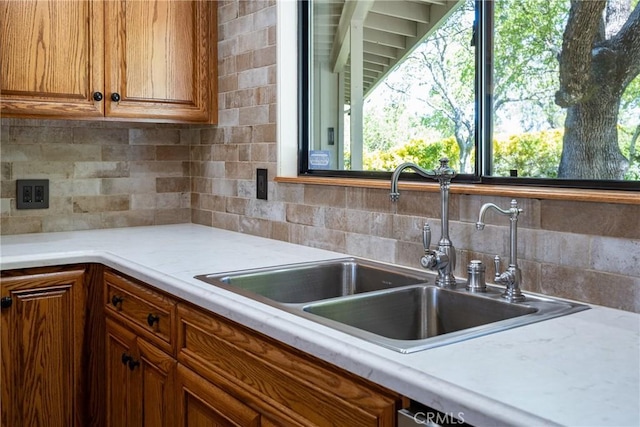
{"points": [[490, 84]]}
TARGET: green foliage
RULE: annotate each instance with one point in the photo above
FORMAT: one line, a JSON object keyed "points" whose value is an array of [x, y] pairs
{"points": [[424, 154], [532, 154]]}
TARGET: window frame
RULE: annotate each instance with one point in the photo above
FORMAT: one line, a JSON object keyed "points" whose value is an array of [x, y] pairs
{"points": [[483, 117]]}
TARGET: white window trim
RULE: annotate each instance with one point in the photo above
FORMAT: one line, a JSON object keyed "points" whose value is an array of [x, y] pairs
{"points": [[287, 88]]}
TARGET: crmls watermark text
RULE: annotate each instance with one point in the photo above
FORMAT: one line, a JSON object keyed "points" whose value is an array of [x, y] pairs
{"points": [[438, 418]]}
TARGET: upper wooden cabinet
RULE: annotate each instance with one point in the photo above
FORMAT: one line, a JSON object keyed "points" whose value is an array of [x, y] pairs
{"points": [[149, 60]]}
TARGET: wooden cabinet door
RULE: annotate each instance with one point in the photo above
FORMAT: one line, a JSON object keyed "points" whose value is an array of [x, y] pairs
{"points": [[202, 404], [51, 58], [157, 376], [161, 59], [41, 347], [122, 379], [140, 381]]}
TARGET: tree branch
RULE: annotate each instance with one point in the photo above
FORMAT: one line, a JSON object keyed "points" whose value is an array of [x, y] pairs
{"points": [[575, 60], [627, 44]]}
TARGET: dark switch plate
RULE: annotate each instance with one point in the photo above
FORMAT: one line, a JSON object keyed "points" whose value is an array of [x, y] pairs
{"points": [[32, 194], [261, 184]]}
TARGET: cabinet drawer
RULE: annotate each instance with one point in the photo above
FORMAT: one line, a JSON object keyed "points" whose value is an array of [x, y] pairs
{"points": [[147, 312], [278, 380]]}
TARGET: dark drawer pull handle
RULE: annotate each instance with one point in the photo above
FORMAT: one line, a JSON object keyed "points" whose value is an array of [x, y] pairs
{"points": [[115, 97], [97, 96], [152, 318], [133, 364], [116, 300], [126, 358], [6, 302]]}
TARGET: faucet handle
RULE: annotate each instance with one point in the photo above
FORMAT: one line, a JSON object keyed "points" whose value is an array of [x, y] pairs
{"points": [[426, 236], [496, 263]]}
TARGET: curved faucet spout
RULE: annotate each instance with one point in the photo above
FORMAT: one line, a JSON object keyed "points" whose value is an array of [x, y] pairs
{"points": [[395, 194]]}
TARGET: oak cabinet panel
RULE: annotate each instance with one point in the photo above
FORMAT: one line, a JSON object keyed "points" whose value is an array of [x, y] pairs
{"points": [[51, 58], [151, 60], [202, 404], [280, 383], [42, 339]]}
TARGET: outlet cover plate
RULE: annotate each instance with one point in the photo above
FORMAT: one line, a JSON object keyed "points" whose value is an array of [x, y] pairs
{"points": [[32, 194], [261, 184]]}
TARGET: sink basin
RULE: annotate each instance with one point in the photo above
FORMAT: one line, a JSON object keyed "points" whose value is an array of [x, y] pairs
{"points": [[391, 306], [417, 313], [306, 282]]}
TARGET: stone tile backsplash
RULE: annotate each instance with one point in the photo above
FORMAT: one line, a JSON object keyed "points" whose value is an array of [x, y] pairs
{"points": [[101, 175], [117, 175]]}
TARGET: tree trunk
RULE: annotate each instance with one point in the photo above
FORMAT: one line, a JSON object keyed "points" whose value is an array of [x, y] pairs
{"points": [[590, 145]]}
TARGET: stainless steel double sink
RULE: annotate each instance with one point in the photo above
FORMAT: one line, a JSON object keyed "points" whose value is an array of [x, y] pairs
{"points": [[396, 307]]}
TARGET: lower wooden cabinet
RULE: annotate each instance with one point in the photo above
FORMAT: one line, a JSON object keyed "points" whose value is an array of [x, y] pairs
{"points": [[42, 347], [140, 381], [102, 348]]}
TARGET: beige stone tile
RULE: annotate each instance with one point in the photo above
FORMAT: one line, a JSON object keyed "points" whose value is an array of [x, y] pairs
{"points": [[201, 185], [256, 115], [112, 153], [38, 135], [280, 231], [613, 255], [87, 204], [307, 215], [101, 169], [409, 253], [172, 216], [202, 217], [154, 136], [160, 168], [382, 224], [172, 152], [228, 83], [224, 187], [367, 246], [18, 225], [255, 226], [212, 202], [21, 152], [100, 136], [228, 117], [240, 135], [265, 209], [40, 170], [237, 205], [135, 218], [265, 133], [265, 56], [316, 237], [141, 184], [71, 222], [225, 152], [5, 170], [555, 247], [226, 221], [599, 219], [213, 135], [325, 195], [590, 286], [173, 184], [238, 170], [368, 199], [291, 193]]}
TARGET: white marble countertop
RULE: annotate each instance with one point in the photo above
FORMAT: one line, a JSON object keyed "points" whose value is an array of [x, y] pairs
{"points": [[577, 370]]}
